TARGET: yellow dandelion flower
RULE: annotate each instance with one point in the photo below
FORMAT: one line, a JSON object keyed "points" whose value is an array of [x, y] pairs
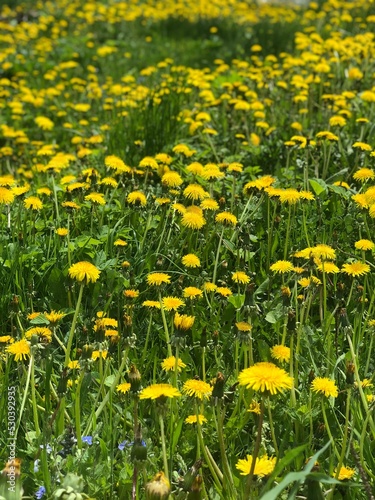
{"points": [[44, 123], [192, 419], [183, 321], [171, 179], [156, 391], [290, 196], [263, 465], [96, 198], [240, 277], [226, 218], [364, 245], [6, 196], [191, 260], [33, 203], [74, 365], [117, 164], [169, 364], [363, 146], [356, 268], [254, 407], [178, 207], [209, 204], [345, 473], [62, 231], [281, 353], [192, 292], [70, 205], [20, 349], [120, 243], [131, 294], [158, 279], [243, 326], [172, 303], [123, 388], [151, 304], [193, 220], [324, 385], [224, 291], [137, 198], [209, 287], [195, 192], [197, 388], [265, 377], [327, 267], [364, 174], [149, 162], [99, 354], [84, 271], [41, 331], [282, 266], [54, 316]]}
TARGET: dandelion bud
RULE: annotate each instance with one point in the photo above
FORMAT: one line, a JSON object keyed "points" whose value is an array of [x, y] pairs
{"points": [[139, 450], [159, 488], [63, 382], [350, 369], [218, 389], [86, 351], [203, 340], [291, 325], [195, 492], [188, 480], [215, 337], [134, 379]]}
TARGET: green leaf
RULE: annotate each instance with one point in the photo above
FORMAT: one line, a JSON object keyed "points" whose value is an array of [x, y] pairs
{"points": [[40, 320], [318, 186], [237, 300], [176, 434], [284, 462], [301, 476]]}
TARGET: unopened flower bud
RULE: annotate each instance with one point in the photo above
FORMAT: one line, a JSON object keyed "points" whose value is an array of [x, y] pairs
{"points": [[159, 488]]}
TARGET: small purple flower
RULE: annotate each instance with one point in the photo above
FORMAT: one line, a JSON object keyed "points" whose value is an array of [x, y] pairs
{"points": [[40, 493], [87, 440], [127, 444], [123, 444]]}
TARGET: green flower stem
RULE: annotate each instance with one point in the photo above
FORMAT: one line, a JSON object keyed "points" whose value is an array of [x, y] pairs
{"points": [[359, 385], [272, 428], [33, 393], [145, 352], [164, 449], [369, 355], [217, 256], [250, 477], [287, 232], [361, 445], [72, 329], [108, 394], [77, 410], [345, 439], [328, 429], [215, 472], [166, 331], [23, 403], [204, 364], [228, 484]]}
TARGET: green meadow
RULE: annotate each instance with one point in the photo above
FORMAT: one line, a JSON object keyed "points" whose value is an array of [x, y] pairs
{"points": [[187, 217]]}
